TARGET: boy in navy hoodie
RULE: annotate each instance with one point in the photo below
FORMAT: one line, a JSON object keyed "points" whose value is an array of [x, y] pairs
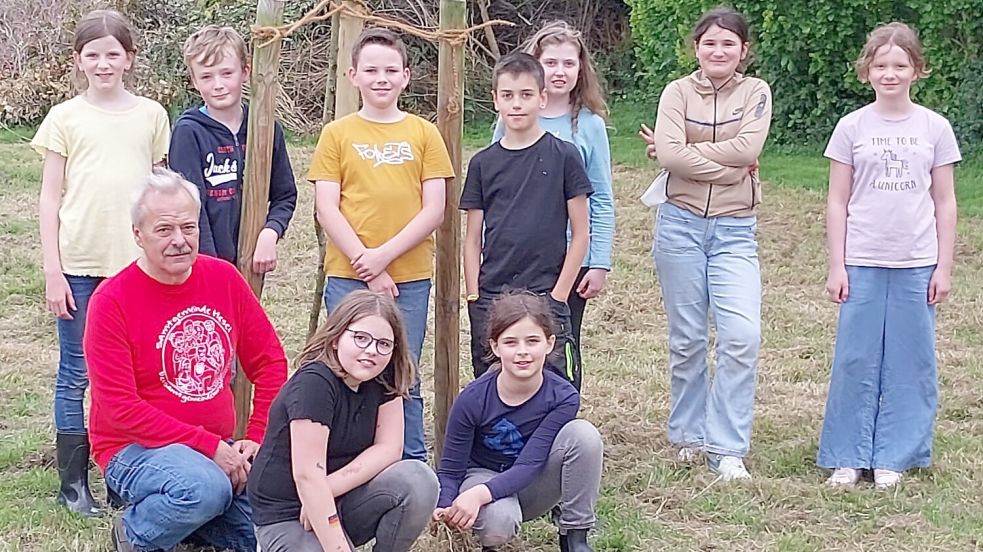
{"points": [[208, 147]]}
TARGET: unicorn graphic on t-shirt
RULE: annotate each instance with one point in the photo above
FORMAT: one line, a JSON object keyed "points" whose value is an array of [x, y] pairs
{"points": [[892, 165]]}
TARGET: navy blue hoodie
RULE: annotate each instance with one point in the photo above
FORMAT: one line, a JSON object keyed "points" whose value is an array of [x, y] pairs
{"points": [[206, 153]]}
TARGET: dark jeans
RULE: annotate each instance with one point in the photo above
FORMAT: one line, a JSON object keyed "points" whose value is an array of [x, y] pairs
{"points": [[72, 378], [564, 359], [577, 306]]}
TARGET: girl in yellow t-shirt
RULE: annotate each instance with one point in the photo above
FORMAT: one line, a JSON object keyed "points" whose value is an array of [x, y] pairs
{"points": [[97, 147]]}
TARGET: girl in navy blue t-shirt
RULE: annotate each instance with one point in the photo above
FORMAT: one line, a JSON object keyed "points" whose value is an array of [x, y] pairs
{"points": [[512, 438]]}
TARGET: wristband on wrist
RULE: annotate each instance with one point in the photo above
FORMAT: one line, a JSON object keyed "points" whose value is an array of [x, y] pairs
{"points": [[472, 297]]}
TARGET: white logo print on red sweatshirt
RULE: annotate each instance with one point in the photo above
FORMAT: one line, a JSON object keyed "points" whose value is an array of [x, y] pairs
{"points": [[196, 354]]}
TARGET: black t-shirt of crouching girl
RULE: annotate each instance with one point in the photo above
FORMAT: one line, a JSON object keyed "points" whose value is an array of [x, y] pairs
{"points": [[314, 393]]}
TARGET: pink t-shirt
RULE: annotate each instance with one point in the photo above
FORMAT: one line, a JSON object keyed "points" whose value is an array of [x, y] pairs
{"points": [[891, 216]]}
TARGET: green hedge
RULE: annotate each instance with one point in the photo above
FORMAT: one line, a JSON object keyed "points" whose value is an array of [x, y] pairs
{"points": [[806, 49]]}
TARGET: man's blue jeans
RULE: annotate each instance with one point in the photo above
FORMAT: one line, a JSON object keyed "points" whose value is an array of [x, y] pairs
{"points": [[72, 378], [413, 301], [175, 493], [709, 266]]}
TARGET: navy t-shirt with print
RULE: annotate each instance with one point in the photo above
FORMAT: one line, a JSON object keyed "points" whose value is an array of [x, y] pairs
{"points": [[524, 194], [484, 432], [314, 393]]}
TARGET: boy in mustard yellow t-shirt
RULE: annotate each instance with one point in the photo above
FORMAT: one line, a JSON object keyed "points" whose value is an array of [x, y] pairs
{"points": [[379, 179]]}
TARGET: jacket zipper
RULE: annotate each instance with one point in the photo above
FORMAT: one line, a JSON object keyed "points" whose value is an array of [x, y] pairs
{"points": [[752, 191], [706, 212], [239, 160]]}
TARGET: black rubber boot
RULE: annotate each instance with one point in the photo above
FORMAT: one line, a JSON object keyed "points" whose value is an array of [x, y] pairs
{"points": [[575, 541], [72, 451]]}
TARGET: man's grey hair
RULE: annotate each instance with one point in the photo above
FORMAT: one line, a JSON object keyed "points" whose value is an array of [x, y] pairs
{"points": [[162, 181]]}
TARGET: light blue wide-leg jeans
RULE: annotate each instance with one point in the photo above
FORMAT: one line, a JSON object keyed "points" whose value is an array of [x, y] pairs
{"points": [[709, 266]]}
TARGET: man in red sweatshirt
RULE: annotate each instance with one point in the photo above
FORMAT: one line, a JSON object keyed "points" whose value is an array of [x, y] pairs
{"points": [[161, 341]]}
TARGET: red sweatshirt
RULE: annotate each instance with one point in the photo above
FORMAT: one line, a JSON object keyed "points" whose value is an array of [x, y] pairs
{"points": [[160, 359]]}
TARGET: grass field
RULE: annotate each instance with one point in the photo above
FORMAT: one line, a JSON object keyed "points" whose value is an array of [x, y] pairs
{"points": [[650, 501]]}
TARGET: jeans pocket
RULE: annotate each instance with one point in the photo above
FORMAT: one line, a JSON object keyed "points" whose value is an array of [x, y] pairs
{"points": [[674, 234], [739, 238]]}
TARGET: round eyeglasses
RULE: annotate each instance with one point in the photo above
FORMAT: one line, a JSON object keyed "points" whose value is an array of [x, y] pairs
{"points": [[362, 340]]}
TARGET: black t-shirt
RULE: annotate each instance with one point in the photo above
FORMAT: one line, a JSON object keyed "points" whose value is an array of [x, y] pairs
{"points": [[524, 194], [314, 393]]}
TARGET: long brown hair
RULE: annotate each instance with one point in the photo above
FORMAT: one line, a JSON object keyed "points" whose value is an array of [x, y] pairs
{"points": [[588, 91], [397, 377]]}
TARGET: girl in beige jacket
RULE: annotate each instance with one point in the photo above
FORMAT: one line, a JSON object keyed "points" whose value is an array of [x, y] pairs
{"points": [[710, 129]]}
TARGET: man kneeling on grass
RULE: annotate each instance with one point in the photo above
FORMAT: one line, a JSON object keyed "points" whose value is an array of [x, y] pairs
{"points": [[161, 340]]}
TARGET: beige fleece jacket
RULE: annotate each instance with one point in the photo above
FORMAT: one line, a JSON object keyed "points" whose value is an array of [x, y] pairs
{"points": [[708, 138]]}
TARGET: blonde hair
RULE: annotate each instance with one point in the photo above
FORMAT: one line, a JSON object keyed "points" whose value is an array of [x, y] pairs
{"points": [[210, 44], [895, 34], [397, 377], [587, 92]]}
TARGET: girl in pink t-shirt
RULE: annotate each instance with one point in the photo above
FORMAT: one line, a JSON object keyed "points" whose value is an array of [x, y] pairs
{"points": [[891, 224]]}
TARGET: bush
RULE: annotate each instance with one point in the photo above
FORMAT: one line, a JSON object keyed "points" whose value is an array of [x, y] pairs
{"points": [[35, 50], [806, 48]]}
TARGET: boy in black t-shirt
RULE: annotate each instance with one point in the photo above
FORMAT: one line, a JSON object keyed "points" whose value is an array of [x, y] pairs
{"points": [[520, 195]]}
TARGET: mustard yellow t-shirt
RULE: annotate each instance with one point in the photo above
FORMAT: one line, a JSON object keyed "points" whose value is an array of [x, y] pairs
{"points": [[107, 153], [381, 168]]}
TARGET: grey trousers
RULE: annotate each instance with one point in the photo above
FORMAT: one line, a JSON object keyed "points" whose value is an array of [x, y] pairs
{"points": [[570, 479], [393, 508]]}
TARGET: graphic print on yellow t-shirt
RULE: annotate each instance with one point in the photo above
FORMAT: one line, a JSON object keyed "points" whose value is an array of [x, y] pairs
{"points": [[381, 168]]}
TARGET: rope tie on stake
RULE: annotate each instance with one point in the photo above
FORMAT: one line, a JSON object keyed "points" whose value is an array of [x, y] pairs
{"points": [[325, 9]]}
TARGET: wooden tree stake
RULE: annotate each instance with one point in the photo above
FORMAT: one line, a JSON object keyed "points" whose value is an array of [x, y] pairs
{"points": [[256, 185], [345, 30], [447, 302]]}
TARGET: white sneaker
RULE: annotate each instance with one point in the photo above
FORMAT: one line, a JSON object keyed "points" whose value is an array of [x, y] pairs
{"points": [[729, 468], [689, 454], [844, 477], [885, 479]]}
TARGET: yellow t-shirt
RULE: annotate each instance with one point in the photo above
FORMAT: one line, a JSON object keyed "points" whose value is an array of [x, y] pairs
{"points": [[381, 168], [107, 155]]}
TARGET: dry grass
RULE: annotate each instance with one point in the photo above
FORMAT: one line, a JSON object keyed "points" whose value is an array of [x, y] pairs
{"points": [[650, 501]]}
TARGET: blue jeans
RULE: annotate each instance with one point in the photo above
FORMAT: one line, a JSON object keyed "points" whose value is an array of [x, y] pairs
{"points": [[710, 266], [883, 392], [72, 378], [175, 493], [413, 301]]}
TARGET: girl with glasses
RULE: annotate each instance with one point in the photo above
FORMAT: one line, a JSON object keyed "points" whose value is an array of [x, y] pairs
{"points": [[329, 475]]}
